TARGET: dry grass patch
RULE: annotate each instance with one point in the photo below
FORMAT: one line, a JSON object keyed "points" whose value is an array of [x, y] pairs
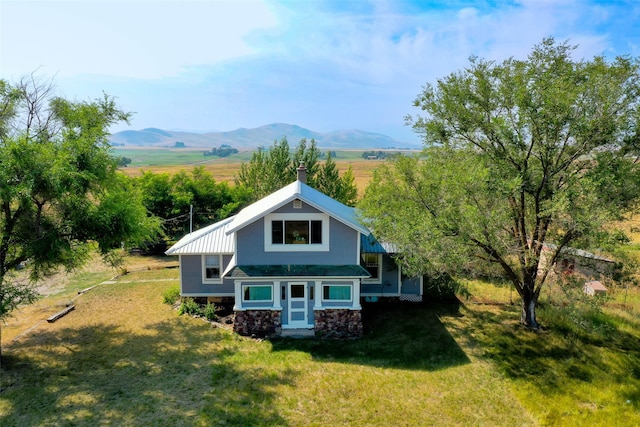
{"points": [[225, 171]]}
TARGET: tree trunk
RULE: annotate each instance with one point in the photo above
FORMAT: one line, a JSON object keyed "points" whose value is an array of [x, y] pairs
{"points": [[529, 302]]}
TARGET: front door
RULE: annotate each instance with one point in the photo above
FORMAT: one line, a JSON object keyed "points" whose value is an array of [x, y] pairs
{"points": [[298, 312]]}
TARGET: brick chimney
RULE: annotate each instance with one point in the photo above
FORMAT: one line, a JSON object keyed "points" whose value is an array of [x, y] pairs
{"points": [[302, 173]]}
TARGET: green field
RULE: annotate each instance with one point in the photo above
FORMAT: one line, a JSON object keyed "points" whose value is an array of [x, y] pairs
{"points": [[151, 157]]}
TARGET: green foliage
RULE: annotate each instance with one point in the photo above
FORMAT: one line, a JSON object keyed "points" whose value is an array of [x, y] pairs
{"points": [[516, 154], [329, 181], [209, 312], [223, 151], [123, 161], [171, 198], [189, 306], [171, 295], [13, 294], [378, 155], [58, 184], [272, 170]]}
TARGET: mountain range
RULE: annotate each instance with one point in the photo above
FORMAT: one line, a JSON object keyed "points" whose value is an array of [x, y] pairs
{"points": [[264, 136]]}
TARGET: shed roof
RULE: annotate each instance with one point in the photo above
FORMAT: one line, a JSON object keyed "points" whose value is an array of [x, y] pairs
{"points": [[596, 285], [577, 252], [210, 239], [298, 190]]}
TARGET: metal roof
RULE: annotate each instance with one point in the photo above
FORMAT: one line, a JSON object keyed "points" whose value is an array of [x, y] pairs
{"points": [[369, 244], [298, 190], [210, 239], [343, 271], [577, 252]]}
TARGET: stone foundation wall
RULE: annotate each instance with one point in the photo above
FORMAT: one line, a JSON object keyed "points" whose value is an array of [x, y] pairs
{"points": [[260, 323], [338, 323]]}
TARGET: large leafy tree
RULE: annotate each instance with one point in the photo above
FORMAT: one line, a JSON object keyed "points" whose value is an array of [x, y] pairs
{"points": [[59, 188], [517, 154], [330, 182], [187, 200], [271, 170]]}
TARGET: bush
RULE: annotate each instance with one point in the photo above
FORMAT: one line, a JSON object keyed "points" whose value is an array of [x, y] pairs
{"points": [[189, 306], [209, 312], [171, 295]]}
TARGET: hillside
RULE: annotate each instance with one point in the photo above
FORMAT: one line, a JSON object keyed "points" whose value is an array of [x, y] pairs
{"points": [[244, 138]]}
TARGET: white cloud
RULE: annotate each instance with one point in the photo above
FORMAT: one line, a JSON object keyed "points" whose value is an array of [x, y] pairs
{"points": [[136, 39]]}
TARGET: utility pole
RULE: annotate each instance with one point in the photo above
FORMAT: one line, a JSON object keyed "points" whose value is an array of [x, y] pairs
{"points": [[190, 218]]}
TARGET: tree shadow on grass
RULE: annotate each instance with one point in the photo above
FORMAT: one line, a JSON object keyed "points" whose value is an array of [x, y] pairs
{"points": [[562, 352], [176, 374], [397, 335]]}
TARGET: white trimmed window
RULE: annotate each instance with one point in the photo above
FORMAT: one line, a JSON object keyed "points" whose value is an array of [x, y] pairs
{"points": [[338, 293], [211, 268], [257, 293], [373, 264], [296, 232]]}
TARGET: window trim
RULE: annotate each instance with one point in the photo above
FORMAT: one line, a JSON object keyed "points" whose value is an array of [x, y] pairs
{"points": [[374, 280], [205, 279], [288, 247], [345, 285], [257, 301]]}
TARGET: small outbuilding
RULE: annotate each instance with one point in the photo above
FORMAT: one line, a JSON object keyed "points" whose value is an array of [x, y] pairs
{"points": [[595, 287]]}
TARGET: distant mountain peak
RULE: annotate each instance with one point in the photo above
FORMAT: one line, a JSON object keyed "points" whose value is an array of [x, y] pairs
{"points": [[252, 138]]}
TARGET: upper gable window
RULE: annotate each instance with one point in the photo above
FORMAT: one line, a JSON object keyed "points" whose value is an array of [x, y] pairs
{"points": [[296, 232]]}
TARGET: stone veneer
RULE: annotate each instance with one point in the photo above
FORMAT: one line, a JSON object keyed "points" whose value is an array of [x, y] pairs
{"points": [[257, 322], [338, 323]]}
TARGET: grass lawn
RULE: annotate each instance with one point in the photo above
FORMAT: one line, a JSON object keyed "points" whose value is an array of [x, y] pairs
{"points": [[122, 357]]}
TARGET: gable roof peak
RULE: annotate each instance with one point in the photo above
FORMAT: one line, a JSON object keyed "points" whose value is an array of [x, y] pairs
{"points": [[302, 191]]}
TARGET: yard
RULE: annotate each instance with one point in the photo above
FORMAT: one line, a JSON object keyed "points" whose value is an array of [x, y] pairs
{"points": [[122, 357]]}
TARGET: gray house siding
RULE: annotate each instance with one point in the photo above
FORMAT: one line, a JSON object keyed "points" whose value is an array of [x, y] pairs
{"points": [[389, 285], [411, 285], [191, 278], [250, 246]]}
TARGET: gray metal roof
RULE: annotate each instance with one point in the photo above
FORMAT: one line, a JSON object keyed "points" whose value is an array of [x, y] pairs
{"points": [[577, 252], [335, 271], [298, 190], [211, 239]]}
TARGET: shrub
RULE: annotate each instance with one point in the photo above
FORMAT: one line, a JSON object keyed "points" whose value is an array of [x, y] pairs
{"points": [[189, 306], [209, 312], [171, 295]]}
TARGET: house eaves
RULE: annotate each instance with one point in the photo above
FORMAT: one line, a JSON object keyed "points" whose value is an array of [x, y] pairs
{"points": [[210, 239], [298, 271], [298, 190], [369, 244]]}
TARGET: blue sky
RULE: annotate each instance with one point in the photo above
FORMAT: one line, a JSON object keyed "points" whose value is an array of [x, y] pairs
{"points": [[323, 65]]}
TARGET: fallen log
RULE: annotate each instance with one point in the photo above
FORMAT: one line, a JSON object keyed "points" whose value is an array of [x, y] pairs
{"points": [[85, 290], [61, 313]]}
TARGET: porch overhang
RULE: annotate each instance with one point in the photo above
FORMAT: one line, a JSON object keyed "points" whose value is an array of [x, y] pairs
{"points": [[298, 271]]}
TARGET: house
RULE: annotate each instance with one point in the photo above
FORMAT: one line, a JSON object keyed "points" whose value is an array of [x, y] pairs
{"points": [[296, 261]]}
